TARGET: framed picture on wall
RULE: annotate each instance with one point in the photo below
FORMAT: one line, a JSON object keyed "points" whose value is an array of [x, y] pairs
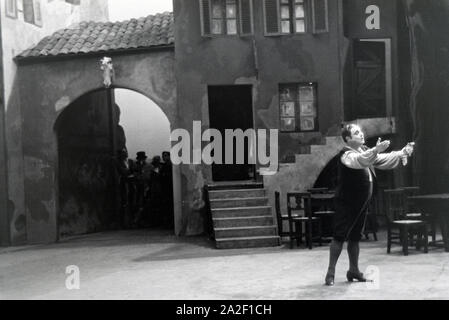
{"points": [[11, 8], [307, 123], [287, 109]]}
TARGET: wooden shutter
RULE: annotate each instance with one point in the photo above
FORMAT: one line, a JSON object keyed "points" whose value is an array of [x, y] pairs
{"points": [[320, 16], [246, 17], [205, 15], [271, 17], [28, 11]]}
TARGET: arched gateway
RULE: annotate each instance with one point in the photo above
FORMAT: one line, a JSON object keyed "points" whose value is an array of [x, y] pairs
{"points": [[66, 66]]}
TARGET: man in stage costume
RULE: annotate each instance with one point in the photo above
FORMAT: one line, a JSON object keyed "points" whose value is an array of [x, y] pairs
{"points": [[356, 178]]}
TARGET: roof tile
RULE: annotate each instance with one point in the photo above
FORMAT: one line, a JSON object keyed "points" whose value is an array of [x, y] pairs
{"points": [[90, 37]]}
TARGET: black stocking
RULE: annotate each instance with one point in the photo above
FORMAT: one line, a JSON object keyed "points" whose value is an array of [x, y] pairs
{"points": [[353, 254], [334, 253]]}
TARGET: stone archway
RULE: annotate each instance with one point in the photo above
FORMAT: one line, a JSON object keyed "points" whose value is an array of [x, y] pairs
{"points": [[90, 135], [149, 73]]}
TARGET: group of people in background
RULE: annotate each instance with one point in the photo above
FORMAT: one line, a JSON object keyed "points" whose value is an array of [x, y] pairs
{"points": [[146, 190]]}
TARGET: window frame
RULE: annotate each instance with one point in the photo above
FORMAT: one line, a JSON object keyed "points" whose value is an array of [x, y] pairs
{"points": [[298, 114], [11, 12], [292, 19], [224, 19]]}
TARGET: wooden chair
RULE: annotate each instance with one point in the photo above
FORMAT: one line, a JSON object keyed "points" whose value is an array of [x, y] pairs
{"points": [[413, 212], [324, 209], [398, 226], [410, 211], [301, 204]]}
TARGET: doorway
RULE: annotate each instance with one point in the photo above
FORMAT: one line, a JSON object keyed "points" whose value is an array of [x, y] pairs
{"points": [[98, 188], [372, 79], [231, 107]]}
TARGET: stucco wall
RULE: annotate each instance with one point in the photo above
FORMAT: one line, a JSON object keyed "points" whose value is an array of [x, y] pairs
{"points": [[17, 36], [150, 73]]}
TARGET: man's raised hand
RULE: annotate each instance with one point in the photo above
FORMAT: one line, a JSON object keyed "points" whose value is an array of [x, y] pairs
{"points": [[381, 146]]}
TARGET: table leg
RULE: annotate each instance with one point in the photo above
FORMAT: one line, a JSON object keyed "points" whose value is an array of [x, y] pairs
{"points": [[444, 231]]}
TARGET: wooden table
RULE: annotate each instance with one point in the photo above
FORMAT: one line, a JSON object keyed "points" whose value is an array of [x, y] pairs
{"points": [[436, 205]]}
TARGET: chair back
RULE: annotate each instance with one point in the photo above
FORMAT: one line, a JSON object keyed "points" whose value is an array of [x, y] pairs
{"points": [[300, 204], [318, 190], [277, 206], [394, 204], [410, 192]]}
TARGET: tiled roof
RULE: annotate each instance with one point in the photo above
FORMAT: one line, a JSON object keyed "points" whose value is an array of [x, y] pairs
{"points": [[90, 37]]}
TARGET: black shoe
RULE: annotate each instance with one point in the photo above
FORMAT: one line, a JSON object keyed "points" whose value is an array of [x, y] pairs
{"points": [[351, 276], [329, 281]]}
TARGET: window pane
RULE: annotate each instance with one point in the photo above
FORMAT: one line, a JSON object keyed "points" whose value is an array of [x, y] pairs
{"points": [[217, 11], [28, 11], [288, 124], [307, 123], [300, 26], [231, 11], [307, 109], [232, 26], [299, 12], [217, 26], [306, 93], [288, 109], [285, 26], [285, 12]]}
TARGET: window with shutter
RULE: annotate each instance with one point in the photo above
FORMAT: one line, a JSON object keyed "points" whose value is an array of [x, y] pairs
{"points": [[11, 8], [285, 16], [246, 17], [320, 16], [226, 17], [271, 17], [28, 11]]}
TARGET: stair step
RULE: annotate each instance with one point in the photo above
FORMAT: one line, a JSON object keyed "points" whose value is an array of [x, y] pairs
{"points": [[248, 242], [243, 222], [241, 212], [235, 185], [238, 202], [237, 193], [256, 231]]}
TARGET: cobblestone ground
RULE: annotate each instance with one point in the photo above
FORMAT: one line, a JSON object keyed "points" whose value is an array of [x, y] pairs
{"points": [[156, 265]]}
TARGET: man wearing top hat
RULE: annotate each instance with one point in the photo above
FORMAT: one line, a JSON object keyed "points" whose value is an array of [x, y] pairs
{"points": [[142, 172]]}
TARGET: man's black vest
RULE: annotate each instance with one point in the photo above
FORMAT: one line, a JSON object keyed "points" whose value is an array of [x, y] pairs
{"points": [[353, 184]]}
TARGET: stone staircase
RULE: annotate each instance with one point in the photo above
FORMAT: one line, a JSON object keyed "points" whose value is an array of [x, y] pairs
{"points": [[242, 217]]}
